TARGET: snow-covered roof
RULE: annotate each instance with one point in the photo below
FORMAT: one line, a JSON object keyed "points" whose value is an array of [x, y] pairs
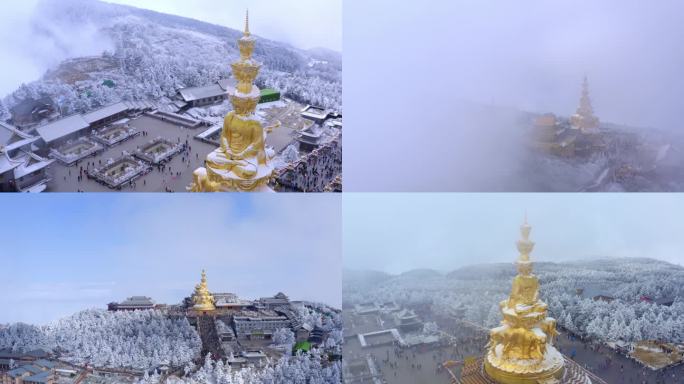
{"points": [[32, 163], [137, 300], [38, 188], [197, 93], [12, 138], [228, 85], [315, 112], [105, 112], [209, 132], [7, 164], [62, 127]]}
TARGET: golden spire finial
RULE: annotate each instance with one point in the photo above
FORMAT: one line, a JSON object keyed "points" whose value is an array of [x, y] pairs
{"points": [[247, 33]]}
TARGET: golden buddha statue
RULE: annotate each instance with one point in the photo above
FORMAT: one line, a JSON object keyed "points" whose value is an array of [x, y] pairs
{"points": [[584, 119], [241, 163], [201, 298], [520, 350]]}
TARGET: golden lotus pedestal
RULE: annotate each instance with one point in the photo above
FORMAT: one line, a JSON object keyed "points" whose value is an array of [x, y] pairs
{"points": [[208, 179], [517, 372], [203, 307]]}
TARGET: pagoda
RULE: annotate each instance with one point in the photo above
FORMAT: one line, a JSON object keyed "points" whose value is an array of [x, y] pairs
{"points": [[584, 118], [201, 298], [520, 350], [242, 162]]}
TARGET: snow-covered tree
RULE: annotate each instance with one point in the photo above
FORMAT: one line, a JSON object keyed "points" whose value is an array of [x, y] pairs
{"points": [[284, 336]]}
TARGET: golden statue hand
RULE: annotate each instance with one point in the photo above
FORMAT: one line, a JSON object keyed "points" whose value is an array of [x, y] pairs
{"points": [[241, 155]]}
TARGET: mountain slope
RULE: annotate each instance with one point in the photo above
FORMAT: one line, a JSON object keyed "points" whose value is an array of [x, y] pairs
{"points": [[149, 55]]}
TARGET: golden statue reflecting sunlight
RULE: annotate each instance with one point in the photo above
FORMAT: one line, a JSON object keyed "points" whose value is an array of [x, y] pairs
{"points": [[521, 350], [201, 298], [241, 163]]}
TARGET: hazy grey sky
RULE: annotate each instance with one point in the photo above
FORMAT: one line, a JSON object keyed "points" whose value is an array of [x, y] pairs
{"points": [[398, 232], [66, 253], [302, 23], [409, 64]]}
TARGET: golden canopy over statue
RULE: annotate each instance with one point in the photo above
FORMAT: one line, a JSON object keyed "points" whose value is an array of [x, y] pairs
{"points": [[201, 298], [242, 162], [520, 350]]}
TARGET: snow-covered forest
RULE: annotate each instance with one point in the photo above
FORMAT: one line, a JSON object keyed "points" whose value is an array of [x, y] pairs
{"points": [[475, 292], [148, 339], [140, 339], [304, 368], [148, 55]]}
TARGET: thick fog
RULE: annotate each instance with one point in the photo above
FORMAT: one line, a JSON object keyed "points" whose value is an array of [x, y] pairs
{"points": [[399, 232], [413, 71], [31, 43]]}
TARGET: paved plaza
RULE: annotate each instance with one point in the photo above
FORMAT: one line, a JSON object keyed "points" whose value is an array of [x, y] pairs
{"points": [[613, 367], [175, 176], [403, 366]]}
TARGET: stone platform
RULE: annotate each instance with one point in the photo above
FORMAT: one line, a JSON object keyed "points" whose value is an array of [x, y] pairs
{"points": [[473, 373]]}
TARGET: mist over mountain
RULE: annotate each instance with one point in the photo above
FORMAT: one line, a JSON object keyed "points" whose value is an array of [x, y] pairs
{"points": [[528, 56], [77, 44], [630, 299]]}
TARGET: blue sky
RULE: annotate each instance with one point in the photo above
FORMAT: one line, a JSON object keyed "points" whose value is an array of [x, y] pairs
{"points": [[399, 232], [63, 253]]}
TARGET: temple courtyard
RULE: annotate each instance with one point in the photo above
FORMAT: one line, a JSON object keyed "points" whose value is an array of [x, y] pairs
{"points": [[175, 175], [168, 150], [401, 365]]}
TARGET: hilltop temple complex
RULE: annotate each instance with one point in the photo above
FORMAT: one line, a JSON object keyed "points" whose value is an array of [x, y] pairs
{"points": [[521, 350], [242, 163], [577, 136]]}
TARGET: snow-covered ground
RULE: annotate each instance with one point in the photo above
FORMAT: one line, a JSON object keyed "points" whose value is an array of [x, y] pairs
{"points": [[474, 293], [154, 55], [139, 339]]}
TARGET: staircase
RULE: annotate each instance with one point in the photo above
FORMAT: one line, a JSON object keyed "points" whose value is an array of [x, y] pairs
{"points": [[206, 327]]}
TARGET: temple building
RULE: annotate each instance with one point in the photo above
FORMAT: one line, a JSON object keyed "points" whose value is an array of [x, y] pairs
{"points": [[21, 169], [201, 298], [38, 372], [207, 95], [577, 136], [278, 300], [242, 163], [230, 301], [550, 135], [259, 324], [30, 112], [521, 350], [132, 303]]}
